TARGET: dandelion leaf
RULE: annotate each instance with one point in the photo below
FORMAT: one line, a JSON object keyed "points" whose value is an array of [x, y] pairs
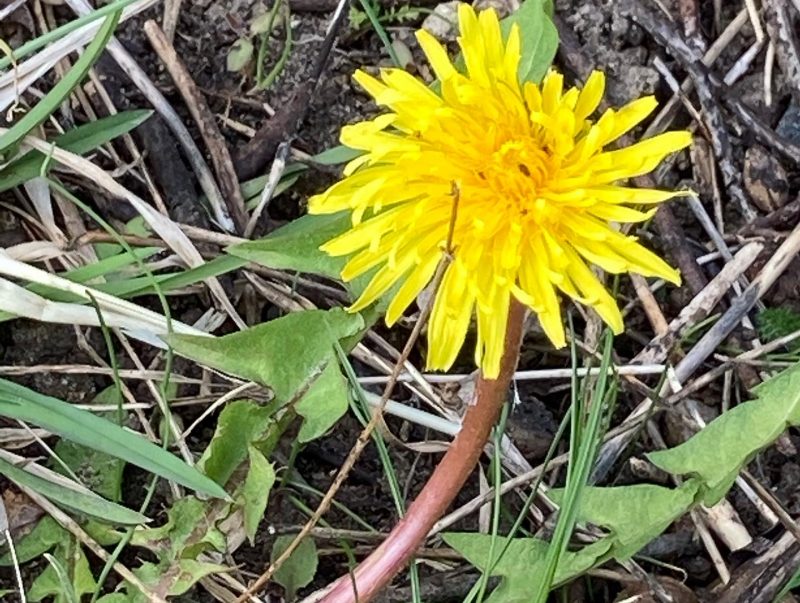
{"points": [[294, 356], [299, 569], [539, 38], [255, 491], [716, 454], [523, 563], [296, 245]]}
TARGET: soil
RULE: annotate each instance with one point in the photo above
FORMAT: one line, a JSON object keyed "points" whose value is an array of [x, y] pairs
{"points": [[610, 41]]}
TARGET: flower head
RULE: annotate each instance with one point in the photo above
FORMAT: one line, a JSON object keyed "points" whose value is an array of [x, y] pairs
{"points": [[514, 175]]}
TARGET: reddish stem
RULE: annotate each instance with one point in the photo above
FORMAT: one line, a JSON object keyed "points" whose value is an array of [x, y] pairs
{"points": [[377, 570]]}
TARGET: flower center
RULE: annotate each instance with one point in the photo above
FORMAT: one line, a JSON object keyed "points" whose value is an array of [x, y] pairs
{"points": [[516, 172]]}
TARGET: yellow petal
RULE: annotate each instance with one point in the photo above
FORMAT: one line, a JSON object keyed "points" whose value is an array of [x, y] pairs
{"points": [[450, 317], [436, 54], [590, 96]]}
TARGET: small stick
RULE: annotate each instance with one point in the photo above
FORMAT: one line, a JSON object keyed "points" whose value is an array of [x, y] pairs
{"points": [[650, 305], [172, 9], [204, 117]]}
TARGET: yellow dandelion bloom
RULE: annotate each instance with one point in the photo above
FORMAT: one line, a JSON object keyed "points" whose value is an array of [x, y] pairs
{"points": [[521, 169]]}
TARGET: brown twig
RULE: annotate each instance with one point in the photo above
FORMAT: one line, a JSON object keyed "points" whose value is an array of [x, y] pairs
{"points": [[449, 476], [172, 9], [204, 118], [781, 31]]}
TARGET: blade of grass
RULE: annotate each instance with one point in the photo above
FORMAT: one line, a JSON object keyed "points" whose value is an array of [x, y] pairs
{"points": [[58, 33], [584, 441], [63, 88], [80, 140], [83, 427], [497, 478], [384, 37], [66, 493]]}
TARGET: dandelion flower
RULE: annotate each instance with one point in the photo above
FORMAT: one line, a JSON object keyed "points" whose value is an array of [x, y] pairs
{"points": [[515, 175]]}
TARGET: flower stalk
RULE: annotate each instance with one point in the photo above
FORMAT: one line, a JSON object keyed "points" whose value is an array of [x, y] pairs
{"points": [[377, 570]]}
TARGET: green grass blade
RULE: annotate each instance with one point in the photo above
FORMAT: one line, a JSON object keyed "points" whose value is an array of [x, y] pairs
{"points": [[79, 140], [60, 32], [63, 88], [584, 442], [64, 494], [83, 427]]}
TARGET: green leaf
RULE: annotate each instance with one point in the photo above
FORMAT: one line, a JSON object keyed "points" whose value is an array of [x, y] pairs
{"points": [[324, 404], [240, 423], [143, 285], [255, 491], [46, 534], [252, 189], [774, 323], [539, 38], [299, 569], [296, 245], [187, 532], [69, 494], [635, 514], [281, 354], [794, 582], [63, 88], [716, 454], [522, 565], [83, 427], [240, 54], [109, 265], [117, 598], [175, 579], [67, 578], [336, 155], [80, 140]]}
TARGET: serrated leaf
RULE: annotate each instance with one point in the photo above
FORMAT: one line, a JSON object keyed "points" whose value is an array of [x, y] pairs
{"points": [[240, 54], [175, 579], [255, 491], [281, 354], [187, 532], [83, 427], [716, 454], [634, 514], [299, 569], [324, 404], [539, 38], [296, 245], [523, 563], [117, 598], [239, 424]]}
